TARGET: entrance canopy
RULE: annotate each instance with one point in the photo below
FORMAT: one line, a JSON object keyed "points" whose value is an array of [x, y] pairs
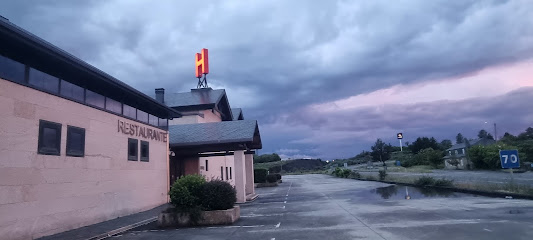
{"points": [[191, 139]]}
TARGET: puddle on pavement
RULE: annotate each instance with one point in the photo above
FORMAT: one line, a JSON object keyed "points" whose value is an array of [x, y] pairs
{"points": [[406, 192]]}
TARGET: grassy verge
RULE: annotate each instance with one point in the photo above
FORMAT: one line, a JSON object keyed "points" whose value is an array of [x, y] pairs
{"points": [[506, 188], [305, 172]]}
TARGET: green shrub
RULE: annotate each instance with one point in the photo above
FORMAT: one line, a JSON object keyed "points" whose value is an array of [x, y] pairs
{"points": [[217, 195], [260, 175], [429, 156], [354, 175], [342, 172], [271, 178], [382, 175], [278, 176], [425, 181], [443, 183], [185, 192]]}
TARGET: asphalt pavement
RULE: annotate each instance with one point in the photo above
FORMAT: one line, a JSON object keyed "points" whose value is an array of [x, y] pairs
{"points": [[324, 207]]}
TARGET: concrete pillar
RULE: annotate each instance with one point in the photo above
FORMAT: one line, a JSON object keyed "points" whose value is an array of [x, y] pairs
{"points": [[249, 162], [240, 176]]}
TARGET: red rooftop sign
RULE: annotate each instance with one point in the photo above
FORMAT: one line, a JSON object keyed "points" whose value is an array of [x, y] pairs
{"points": [[202, 63]]}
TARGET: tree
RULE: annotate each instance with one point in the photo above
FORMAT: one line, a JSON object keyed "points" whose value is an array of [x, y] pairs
{"points": [[381, 151], [445, 144], [508, 138], [430, 156], [267, 158], [482, 134], [489, 136], [528, 134], [423, 143], [459, 138]]}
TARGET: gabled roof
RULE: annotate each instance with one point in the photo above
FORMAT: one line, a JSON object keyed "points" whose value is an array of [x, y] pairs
{"points": [[216, 136], [201, 99], [479, 141], [237, 114], [24, 47]]}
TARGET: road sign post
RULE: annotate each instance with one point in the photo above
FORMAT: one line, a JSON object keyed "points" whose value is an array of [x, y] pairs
{"points": [[509, 160], [400, 137]]}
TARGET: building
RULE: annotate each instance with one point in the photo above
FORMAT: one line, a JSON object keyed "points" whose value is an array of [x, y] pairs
{"points": [[77, 145], [212, 139], [459, 151]]}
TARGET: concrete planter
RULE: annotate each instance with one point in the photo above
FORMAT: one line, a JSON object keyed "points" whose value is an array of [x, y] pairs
{"points": [[260, 185], [218, 217]]}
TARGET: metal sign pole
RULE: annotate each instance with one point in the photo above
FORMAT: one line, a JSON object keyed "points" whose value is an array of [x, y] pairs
{"points": [[401, 148]]}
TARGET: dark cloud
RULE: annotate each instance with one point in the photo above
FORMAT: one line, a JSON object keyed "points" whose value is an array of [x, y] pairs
{"points": [[281, 56]]}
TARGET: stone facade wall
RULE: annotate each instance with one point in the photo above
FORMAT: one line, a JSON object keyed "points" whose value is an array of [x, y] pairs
{"points": [[45, 194]]}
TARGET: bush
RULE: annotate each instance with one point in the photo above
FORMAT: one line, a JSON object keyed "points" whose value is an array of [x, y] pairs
{"points": [[271, 178], [382, 175], [217, 195], [260, 175], [354, 175], [342, 172], [278, 176], [185, 192], [425, 181], [444, 183], [429, 156]]}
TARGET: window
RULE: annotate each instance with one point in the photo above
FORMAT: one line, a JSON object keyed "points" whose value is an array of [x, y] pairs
{"points": [[113, 106], [44, 81], [145, 151], [227, 176], [152, 120], [72, 91], [12, 70], [75, 141], [133, 151], [463, 150], [222, 173], [94, 99], [142, 116], [49, 138], [230, 175], [129, 111], [206, 165], [456, 152], [163, 122]]}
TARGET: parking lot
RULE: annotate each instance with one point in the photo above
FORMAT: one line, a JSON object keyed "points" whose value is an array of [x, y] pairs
{"points": [[324, 207]]}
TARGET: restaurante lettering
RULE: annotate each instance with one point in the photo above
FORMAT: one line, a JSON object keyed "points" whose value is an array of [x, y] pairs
{"points": [[141, 131]]}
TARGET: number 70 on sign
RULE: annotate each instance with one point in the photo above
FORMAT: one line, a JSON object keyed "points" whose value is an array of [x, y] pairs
{"points": [[509, 159]]}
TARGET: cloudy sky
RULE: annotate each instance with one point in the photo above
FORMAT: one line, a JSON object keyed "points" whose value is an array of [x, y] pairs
{"points": [[323, 78]]}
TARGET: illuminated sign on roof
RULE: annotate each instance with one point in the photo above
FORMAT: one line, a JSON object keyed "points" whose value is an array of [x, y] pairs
{"points": [[202, 63]]}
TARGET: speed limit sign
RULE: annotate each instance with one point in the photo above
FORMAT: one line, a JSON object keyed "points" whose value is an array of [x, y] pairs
{"points": [[509, 159]]}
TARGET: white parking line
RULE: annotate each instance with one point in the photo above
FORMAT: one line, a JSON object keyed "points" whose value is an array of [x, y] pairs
{"points": [[285, 202], [277, 225]]}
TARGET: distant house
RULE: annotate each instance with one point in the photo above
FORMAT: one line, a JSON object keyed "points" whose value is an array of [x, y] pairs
{"points": [[459, 151]]}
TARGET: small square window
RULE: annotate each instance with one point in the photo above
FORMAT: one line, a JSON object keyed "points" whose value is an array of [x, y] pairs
{"points": [[145, 151], [75, 141], [133, 149], [49, 138]]}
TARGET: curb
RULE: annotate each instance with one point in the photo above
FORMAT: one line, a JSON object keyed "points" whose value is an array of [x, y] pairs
{"points": [[122, 229]]}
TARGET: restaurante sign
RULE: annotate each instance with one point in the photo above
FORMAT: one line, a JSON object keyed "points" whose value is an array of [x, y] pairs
{"points": [[141, 131]]}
